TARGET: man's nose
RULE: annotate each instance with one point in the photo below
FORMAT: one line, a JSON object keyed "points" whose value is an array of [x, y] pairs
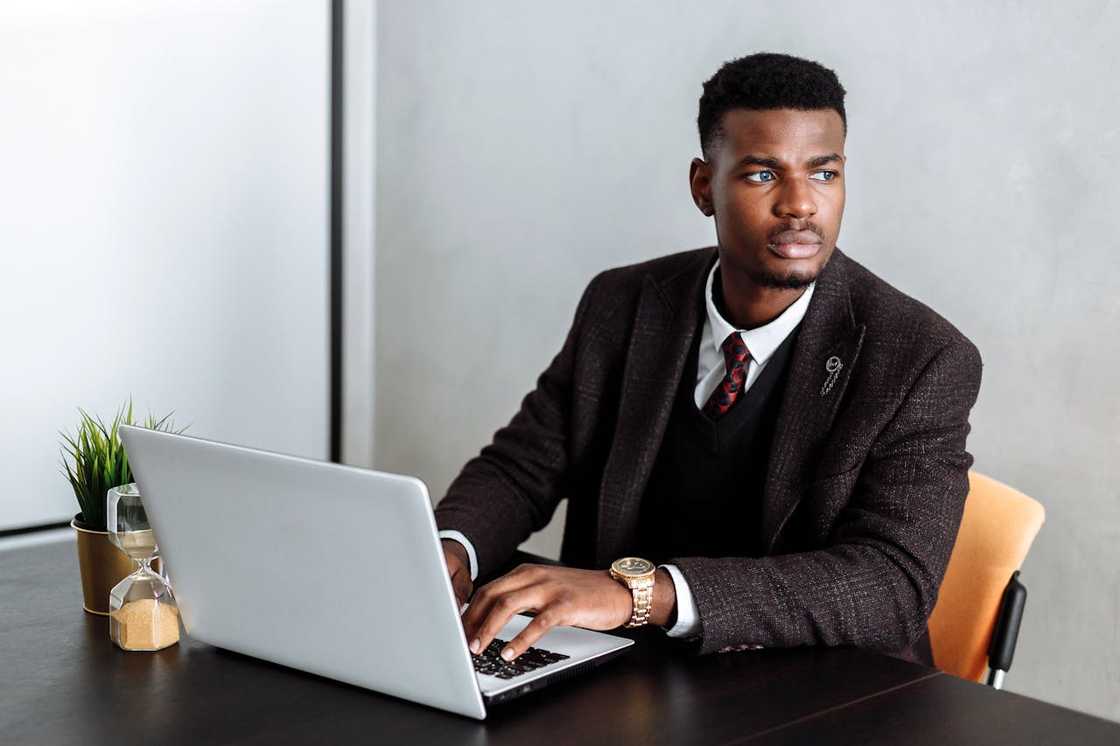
{"points": [[795, 200]]}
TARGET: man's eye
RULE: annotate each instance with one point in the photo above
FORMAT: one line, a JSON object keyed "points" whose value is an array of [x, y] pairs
{"points": [[831, 175], [751, 175]]}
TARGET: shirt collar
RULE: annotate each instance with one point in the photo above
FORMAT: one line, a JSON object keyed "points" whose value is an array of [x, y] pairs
{"points": [[763, 340]]}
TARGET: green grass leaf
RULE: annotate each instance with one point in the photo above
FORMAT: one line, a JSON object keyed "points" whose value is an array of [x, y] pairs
{"points": [[94, 459]]}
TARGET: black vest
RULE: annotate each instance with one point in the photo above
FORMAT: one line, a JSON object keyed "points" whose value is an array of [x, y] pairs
{"points": [[704, 494]]}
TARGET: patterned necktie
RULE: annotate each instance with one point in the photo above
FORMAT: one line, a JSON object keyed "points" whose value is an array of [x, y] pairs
{"points": [[736, 355]]}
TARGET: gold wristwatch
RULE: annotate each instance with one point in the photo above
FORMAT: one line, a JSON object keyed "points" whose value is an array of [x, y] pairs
{"points": [[636, 574]]}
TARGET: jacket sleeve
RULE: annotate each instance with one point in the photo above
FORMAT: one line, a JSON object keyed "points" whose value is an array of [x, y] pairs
{"points": [[875, 585], [511, 489]]}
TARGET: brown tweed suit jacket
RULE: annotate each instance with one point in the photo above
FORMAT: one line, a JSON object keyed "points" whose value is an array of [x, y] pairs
{"points": [[865, 481]]}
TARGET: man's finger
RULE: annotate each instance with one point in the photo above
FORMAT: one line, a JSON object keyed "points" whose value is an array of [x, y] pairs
{"points": [[462, 587], [485, 597], [501, 611], [534, 630], [458, 586]]}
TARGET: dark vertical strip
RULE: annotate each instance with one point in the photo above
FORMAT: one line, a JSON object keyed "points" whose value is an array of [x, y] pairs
{"points": [[337, 25]]}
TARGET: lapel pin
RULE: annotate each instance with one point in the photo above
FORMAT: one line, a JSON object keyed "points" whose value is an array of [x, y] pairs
{"points": [[832, 366]]}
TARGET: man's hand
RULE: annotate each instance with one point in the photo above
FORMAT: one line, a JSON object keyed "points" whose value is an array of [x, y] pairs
{"points": [[459, 568], [591, 599]]}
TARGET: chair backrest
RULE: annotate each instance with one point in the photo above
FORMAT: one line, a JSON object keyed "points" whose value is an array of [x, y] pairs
{"points": [[995, 535]]}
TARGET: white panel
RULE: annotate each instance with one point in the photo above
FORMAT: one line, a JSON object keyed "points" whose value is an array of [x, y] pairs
{"points": [[163, 227]]}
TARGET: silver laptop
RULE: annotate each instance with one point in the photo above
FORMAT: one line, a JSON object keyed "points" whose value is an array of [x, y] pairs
{"points": [[330, 569]]}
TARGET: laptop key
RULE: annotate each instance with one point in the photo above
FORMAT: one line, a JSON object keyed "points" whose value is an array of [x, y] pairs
{"points": [[491, 663]]}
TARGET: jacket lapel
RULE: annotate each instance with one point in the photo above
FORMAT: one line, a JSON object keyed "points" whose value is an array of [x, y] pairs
{"points": [[820, 366], [665, 323]]}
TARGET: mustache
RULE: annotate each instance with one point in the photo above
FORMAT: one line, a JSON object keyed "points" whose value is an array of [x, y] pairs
{"points": [[807, 226]]}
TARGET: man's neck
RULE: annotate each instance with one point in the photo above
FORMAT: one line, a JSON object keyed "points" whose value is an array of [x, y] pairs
{"points": [[748, 305]]}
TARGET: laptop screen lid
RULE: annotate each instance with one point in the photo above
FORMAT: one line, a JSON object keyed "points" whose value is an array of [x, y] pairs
{"points": [[330, 569]]}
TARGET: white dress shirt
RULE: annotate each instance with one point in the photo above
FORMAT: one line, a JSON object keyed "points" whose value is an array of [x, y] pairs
{"points": [[710, 369]]}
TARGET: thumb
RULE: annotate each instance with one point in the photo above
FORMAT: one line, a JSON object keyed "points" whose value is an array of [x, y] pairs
{"points": [[462, 587]]}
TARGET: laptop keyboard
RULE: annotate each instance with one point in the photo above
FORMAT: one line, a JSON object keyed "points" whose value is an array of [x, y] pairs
{"points": [[491, 663]]}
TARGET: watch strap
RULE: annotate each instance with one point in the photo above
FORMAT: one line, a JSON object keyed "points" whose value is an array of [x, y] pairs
{"points": [[643, 603], [642, 592]]}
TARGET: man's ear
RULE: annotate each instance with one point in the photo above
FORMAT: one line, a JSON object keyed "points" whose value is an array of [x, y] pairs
{"points": [[700, 182]]}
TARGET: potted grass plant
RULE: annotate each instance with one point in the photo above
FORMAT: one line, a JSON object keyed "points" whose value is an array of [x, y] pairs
{"points": [[94, 461]]}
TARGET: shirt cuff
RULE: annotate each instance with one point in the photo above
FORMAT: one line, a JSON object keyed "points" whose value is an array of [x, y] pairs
{"points": [[688, 614], [456, 536]]}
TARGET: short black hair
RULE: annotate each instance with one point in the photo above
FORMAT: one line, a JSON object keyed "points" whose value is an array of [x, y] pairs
{"points": [[767, 80]]}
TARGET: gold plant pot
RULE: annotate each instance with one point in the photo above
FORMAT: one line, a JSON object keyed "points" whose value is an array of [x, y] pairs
{"points": [[103, 565]]}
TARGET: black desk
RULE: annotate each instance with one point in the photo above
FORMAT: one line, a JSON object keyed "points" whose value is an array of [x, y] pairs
{"points": [[62, 681]]}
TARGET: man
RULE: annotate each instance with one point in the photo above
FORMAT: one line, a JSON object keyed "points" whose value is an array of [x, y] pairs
{"points": [[776, 426]]}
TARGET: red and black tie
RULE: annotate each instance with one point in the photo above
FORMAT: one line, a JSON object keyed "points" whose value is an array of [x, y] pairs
{"points": [[736, 355]]}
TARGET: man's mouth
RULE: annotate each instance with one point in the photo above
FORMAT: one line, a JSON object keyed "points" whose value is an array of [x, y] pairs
{"points": [[795, 244]]}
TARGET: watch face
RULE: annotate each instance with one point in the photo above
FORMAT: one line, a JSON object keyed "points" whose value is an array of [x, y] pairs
{"points": [[633, 566]]}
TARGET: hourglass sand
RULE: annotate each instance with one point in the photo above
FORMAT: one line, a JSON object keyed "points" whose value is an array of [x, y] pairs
{"points": [[143, 614]]}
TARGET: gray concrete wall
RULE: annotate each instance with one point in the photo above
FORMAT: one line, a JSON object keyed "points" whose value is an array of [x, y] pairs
{"points": [[521, 149]]}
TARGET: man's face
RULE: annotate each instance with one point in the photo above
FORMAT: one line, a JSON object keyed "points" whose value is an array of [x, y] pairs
{"points": [[775, 171]]}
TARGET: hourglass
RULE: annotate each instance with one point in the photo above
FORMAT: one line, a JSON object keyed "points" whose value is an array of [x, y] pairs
{"points": [[143, 614]]}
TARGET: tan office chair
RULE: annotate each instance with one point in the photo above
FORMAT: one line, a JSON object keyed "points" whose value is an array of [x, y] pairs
{"points": [[975, 622]]}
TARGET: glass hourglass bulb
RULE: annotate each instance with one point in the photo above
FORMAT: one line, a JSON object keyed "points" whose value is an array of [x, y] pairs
{"points": [[143, 614]]}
